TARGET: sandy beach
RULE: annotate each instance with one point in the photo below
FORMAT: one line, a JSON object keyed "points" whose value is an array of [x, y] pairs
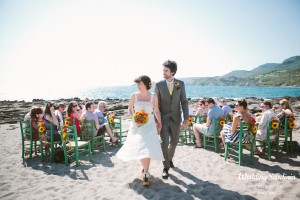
{"points": [[198, 174]]}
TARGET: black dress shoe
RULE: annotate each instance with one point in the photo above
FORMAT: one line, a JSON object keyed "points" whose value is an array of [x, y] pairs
{"points": [[165, 174], [171, 164]]}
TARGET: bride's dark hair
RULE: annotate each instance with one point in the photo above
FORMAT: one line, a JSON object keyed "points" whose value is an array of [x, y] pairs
{"points": [[145, 79]]}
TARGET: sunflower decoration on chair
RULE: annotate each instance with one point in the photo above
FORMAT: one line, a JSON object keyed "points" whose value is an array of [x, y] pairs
{"points": [[111, 120], [254, 125], [274, 123], [42, 128], [222, 121], [190, 120], [68, 121], [84, 128], [64, 132], [141, 118], [291, 122]]}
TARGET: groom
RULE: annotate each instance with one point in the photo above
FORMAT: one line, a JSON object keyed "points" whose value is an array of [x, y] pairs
{"points": [[171, 100]]}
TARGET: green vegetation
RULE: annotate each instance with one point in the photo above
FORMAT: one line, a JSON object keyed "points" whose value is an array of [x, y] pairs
{"points": [[271, 74]]}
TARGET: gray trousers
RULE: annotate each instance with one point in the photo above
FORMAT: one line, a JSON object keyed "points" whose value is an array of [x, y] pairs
{"points": [[169, 136]]}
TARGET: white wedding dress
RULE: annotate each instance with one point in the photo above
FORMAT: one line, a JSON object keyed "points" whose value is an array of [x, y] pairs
{"points": [[142, 141]]}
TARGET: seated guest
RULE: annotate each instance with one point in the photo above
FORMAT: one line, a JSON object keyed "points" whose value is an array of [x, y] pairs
{"points": [[286, 110], [104, 126], [50, 119], [74, 115], [36, 115], [89, 115], [214, 112], [266, 116], [82, 106], [231, 130], [226, 108], [202, 110], [58, 113]]}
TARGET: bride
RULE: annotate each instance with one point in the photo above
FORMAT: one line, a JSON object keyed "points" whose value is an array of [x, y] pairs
{"points": [[142, 142]]}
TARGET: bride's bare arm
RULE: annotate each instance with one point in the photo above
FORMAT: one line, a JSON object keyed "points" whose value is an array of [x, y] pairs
{"points": [[131, 103], [157, 113]]}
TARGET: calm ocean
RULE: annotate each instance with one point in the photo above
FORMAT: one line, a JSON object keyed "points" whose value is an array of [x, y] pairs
{"points": [[123, 92]]}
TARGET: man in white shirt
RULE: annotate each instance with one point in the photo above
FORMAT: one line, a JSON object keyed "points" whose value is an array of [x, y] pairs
{"points": [[58, 113], [266, 116]]}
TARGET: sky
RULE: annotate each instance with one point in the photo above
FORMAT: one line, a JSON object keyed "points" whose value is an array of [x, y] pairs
{"points": [[63, 43]]}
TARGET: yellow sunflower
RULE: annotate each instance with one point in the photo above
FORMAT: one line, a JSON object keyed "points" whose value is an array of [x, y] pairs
{"points": [[275, 125], [222, 122], [176, 84], [292, 125], [67, 123], [254, 129], [111, 120], [41, 129], [190, 120], [64, 136]]}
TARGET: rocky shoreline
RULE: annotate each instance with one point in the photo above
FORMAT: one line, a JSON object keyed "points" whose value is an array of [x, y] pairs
{"points": [[11, 112]]}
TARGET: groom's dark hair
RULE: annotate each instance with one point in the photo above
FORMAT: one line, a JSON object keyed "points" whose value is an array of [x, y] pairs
{"points": [[172, 65]]}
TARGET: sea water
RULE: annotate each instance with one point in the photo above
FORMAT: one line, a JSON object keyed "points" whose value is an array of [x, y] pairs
{"points": [[123, 92]]}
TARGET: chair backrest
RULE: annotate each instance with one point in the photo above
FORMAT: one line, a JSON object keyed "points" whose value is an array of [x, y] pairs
{"points": [[245, 135], [200, 118], [26, 129], [72, 133], [116, 124], [216, 126], [272, 128], [87, 129], [49, 129]]}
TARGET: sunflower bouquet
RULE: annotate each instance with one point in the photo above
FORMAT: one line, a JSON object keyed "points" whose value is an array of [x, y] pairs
{"points": [[274, 123], [141, 117], [68, 121], [291, 122]]}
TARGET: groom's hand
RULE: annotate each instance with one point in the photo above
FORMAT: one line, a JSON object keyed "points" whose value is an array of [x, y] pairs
{"points": [[185, 124], [158, 127]]}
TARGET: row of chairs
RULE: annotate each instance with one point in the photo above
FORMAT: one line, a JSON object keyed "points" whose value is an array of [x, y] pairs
{"points": [[212, 141], [72, 145]]}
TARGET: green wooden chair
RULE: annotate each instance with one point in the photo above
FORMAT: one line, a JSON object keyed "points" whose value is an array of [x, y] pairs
{"points": [[187, 135], [74, 149], [236, 149], [88, 133], [272, 138], [287, 134], [45, 145], [117, 128], [213, 140], [27, 139]]}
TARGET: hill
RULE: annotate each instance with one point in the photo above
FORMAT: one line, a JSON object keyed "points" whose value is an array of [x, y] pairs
{"points": [[286, 73]]}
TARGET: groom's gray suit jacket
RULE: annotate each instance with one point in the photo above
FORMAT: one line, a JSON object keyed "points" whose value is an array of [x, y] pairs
{"points": [[170, 105]]}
